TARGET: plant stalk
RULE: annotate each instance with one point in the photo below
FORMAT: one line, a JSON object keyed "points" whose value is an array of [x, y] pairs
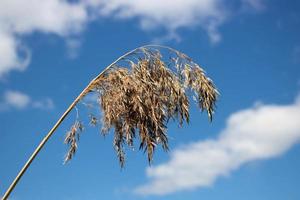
{"points": [[37, 150], [50, 133]]}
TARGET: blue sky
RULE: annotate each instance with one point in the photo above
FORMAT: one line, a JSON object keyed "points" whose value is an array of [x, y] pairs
{"points": [[51, 49]]}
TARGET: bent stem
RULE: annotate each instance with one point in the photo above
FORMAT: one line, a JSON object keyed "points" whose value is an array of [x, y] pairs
{"points": [[60, 120], [86, 90]]}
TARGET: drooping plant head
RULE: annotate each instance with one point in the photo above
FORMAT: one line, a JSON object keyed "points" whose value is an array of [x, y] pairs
{"points": [[139, 94]]}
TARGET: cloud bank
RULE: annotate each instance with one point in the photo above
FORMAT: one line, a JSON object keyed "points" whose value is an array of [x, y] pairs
{"points": [[258, 133], [66, 19]]}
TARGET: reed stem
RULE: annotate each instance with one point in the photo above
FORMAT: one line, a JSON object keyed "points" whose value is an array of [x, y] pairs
{"points": [[60, 120]]}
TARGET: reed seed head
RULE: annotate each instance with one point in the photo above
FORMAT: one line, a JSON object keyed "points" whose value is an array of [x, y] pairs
{"points": [[140, 99]]}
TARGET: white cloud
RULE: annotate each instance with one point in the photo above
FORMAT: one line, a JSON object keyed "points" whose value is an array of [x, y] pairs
{"points": [[73, 47], [18, 18], [257, 133], [18, 100], [257, 5], [53, 16], [296, 54], [175, 14], [9, 56], [43, 104], [66, 19], [169, 14]]}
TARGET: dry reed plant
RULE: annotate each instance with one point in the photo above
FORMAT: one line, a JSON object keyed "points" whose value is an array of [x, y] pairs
{"points": [[138, 94], [140, 99]]}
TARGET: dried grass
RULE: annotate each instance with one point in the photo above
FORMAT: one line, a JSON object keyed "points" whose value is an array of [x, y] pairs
{"points": [[139, 100], [72, 137]]}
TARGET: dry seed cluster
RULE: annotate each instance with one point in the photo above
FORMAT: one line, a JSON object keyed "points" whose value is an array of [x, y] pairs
{"points": [[140, 100]]}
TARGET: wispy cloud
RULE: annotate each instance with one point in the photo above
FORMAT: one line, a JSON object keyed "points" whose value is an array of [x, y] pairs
{"points": [[296, 54], [43, 104], [73, 47], [18, 100], [257, 133], [256, 5]]}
